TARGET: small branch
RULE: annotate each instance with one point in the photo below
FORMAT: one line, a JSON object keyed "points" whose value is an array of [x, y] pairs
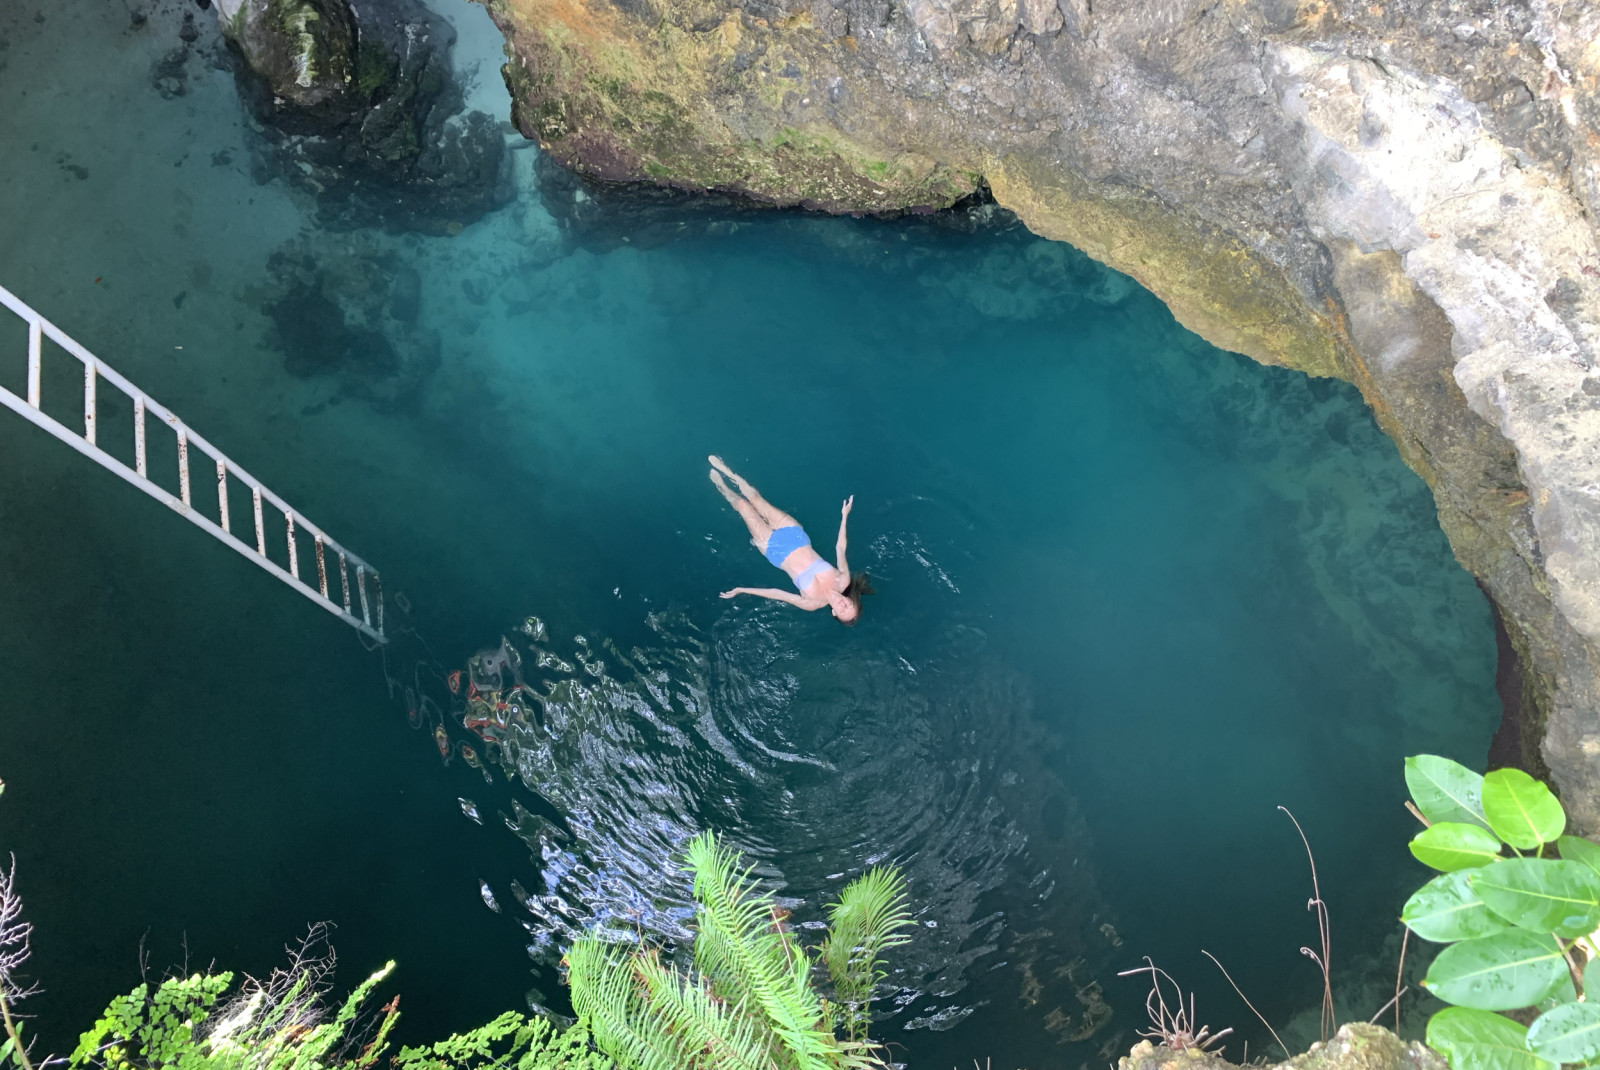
{"points": [[1330, 1022], [1405, 938], [14, 951], [1252, 1006], [11, 1031], [1395, 1003], [1572, 963], [1418, 814]]}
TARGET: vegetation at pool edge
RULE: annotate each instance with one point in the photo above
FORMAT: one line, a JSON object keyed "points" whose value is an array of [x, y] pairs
{"points": [[1516, 904], [1522, 930], [748, 1002]]}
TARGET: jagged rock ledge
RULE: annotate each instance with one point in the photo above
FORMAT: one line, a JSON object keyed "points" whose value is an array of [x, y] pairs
{"points": [[357, 104], [1354, 1047], [1400, 193]]}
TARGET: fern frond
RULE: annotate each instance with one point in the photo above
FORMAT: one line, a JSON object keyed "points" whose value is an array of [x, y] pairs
{"points": [[745, 953], [607, 996], [735, 939], [868, 919], [719, 1036]]}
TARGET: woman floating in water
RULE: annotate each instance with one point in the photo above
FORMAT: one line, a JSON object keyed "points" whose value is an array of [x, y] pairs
{"points": [[779, 536]]}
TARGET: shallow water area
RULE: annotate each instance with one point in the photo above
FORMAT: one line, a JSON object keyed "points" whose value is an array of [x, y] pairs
{"points": [[1134, 592]]}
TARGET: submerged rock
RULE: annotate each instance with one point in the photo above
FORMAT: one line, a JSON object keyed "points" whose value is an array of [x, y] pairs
{"points": [[360, 106], [1399, 194], [350, 314]]}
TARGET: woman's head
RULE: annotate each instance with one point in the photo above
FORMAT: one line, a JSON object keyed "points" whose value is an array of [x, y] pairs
{"points": [[846, 604]]}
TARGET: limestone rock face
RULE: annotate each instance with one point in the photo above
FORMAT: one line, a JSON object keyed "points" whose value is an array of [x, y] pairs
{"points": [[1401, 193], [359, 103], [1354, 1047]]}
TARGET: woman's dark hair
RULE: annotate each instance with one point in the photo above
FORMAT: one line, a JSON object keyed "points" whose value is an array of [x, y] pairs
{"points": [[860, 584]]}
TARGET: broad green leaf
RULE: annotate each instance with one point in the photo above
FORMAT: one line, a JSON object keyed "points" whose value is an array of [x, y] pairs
{"points": [[1521, 810], [1578, 849], [1450, 846], [1445, 791], [1568, 1034], [1479, 1040], [1541, 894], [1498, 973], [1566, 992], [1445, 909]]}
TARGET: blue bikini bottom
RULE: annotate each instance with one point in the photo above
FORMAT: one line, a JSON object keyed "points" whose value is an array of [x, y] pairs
{"points": [[785, 541]]}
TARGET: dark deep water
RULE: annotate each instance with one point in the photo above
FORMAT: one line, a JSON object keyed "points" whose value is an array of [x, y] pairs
{"points": [[1135, 594]]}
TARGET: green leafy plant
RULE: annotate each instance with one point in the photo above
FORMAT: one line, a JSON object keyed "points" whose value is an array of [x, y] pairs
{"points": [[1517, 904], [512, 1042], [282, 1023], [749, 1002]]}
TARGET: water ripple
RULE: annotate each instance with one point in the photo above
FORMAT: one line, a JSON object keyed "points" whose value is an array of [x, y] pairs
{"points": [[817, 761]]}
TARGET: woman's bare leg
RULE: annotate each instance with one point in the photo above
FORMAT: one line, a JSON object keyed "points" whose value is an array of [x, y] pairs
{"points": [[774, 517], [759, 528]]}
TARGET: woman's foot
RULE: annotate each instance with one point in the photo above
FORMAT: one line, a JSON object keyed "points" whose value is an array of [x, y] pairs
{"points": [[722, 486], [738, 480]]}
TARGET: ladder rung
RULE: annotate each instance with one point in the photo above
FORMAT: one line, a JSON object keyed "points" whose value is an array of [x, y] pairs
{"points": [[88, 402], [139, 465], [294, 558], [222, 494], [35, 360], [183, 464]]}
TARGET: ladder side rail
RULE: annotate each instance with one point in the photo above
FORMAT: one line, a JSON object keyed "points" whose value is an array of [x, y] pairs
{"points": [[77, 442], [18, 305]]}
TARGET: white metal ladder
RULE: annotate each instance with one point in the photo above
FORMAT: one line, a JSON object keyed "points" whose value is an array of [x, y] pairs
{"points": [[94, 370]]}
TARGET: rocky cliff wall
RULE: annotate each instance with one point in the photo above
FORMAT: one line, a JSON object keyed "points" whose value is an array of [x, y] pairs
{"points": [[1396, 192]]}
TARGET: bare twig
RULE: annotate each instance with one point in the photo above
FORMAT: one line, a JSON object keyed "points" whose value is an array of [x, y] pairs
{"points": [[1405, 938], [1572, 963], [14, 951], [1247, 1003], [1174, 1028], [288, 1002], [1394, 1002], [1418, 814], [1325, 931]]}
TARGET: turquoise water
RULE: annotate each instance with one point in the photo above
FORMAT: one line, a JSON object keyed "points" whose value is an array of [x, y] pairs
{"points": [[1135, 593]]}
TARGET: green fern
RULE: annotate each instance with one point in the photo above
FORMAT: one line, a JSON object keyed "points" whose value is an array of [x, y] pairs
{"points": [[609, 1000], [749, 1003], [741, 944], [720, 1036], [867, 920]]}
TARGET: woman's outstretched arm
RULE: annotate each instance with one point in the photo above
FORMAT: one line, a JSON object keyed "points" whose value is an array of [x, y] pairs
{"points": [[777, 596], [838, 552]]}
